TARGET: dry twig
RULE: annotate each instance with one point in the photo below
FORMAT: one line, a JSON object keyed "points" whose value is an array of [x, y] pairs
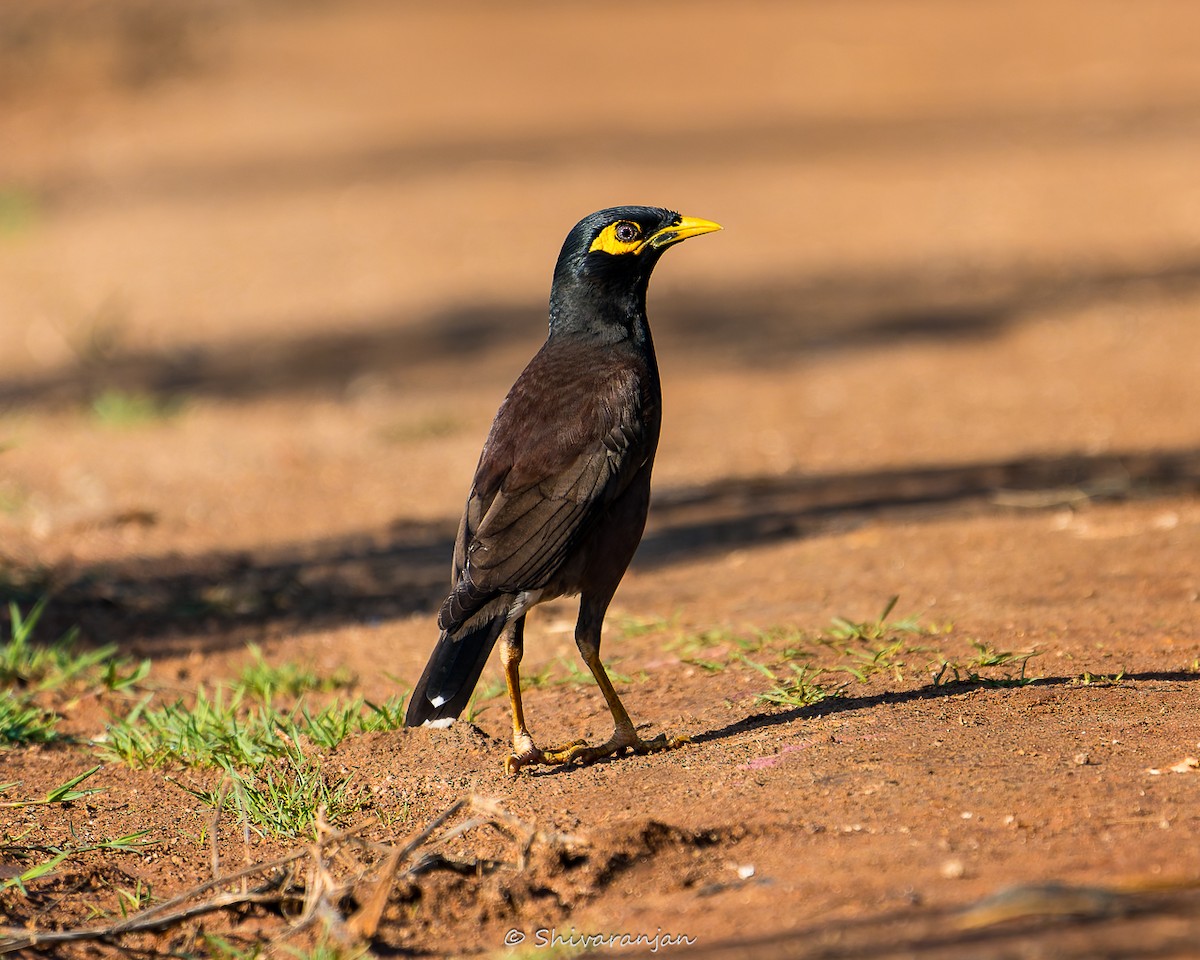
{"points": [[321, 893]]}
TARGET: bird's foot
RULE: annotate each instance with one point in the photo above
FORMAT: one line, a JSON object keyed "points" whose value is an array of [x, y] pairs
{"points": [[525, 754], [579, 752], [619, 742]]}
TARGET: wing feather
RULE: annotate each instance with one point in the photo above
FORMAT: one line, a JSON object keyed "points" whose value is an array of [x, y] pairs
{"points": [[525, 516]]}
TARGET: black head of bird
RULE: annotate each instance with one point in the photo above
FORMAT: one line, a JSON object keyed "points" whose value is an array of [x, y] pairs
{"points": [[559, 498], [605, 264]]}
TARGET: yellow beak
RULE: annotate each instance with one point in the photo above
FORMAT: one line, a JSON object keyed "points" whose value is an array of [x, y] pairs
{"points": [[684, 228]]}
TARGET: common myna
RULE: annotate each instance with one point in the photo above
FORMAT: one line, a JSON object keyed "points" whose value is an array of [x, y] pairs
{"points": [[559, 498]]}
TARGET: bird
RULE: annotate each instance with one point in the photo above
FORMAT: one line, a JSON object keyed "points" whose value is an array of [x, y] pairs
{"points": [[560, 495]]}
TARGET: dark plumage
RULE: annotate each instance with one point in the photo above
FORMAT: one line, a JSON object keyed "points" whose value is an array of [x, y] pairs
{"points": [[560, 495]]}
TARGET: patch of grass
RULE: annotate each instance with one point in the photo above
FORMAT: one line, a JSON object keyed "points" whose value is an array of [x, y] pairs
{"points": [[388, 715], [23, 722], [760, 667], [756, 641], [801, 689], [880, 628], [641, 626], [54, 665], [709, 666], [329, 727], [192, 735], [866, 649], [239, 728], [52, 856], [325, 950], [131, 843], [486, 692], [493, 688], [220, 727], [21, 662], [793, 642], [284, 797], [131, 901], [986, 659], [693, 644], [218, 948], [883, 658], [270, 779], [1086, 679], [532, 679], [884, 646], [576, 673], [716, 649], [122, 675], [63, 793], [262, 681], [869, 649], [28, 668], [123, 408]]}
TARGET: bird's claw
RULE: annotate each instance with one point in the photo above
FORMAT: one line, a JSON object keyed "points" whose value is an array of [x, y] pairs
{"points": [[515, 761], [579, 752], [620, 742], [528, 755], [661, 742]]}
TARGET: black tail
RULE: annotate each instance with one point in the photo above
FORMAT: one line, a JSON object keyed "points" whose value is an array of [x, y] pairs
{"points": [[455, 665]]}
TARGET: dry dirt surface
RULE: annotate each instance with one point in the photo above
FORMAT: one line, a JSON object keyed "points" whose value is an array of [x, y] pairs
{"points": [[266, 270]]}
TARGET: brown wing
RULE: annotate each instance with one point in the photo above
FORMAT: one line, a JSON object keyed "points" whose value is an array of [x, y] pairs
{"points": [[547, 472]]}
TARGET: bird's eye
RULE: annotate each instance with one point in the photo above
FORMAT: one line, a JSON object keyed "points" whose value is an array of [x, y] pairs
{"points": [[626, 232]]}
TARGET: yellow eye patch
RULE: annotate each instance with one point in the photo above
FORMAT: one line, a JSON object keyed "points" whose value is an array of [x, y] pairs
{"points": [[624, 236]]}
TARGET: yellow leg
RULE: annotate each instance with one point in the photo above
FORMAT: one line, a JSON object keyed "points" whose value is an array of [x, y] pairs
{"points": [[523, 749], [525, 752], [624, 736]]}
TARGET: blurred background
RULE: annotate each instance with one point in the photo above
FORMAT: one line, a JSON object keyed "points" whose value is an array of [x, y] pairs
{"points": [[267, 268]]}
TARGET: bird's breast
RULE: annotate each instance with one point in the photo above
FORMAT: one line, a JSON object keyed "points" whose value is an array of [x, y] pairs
{"points": [[571, 399]]}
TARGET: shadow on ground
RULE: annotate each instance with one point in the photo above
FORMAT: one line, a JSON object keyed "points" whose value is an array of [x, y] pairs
{"points": [[757, 326], [162, 604], [1042, 920], [709, 147], [932, 691]]}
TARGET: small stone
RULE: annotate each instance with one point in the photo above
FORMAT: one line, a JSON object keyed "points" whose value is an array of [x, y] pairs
{"points": [[954, 869]]}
